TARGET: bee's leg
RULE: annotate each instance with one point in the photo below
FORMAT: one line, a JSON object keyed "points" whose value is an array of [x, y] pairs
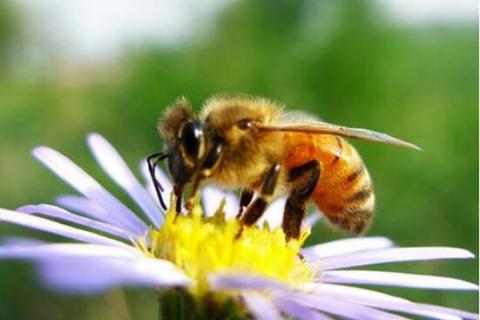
{"points": [[245, 199], [257, 208], [211, 161], [193, 193], [304, 179], [178, 191]]}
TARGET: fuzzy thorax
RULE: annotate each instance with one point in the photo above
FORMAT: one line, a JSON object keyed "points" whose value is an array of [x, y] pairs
{"points": [[201, 246]]}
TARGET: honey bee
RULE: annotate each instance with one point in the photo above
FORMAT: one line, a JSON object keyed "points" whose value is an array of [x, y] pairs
{"points": [[252, 144]]}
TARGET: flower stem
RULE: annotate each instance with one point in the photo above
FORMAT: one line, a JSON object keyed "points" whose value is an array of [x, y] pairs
{"points": [[178, 303]]}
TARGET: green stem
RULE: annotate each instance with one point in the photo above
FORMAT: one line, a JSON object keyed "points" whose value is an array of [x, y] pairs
{"points": [[179, 304]]}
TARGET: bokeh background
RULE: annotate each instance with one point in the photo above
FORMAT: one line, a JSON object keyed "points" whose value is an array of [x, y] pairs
{"points": [[406, 67]]}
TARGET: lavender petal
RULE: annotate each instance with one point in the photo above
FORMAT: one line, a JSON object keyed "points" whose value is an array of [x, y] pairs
{"points": [[299, 311], [221, 281], [391, 255], [388, 302], [114, 165], [261, 307], [90, 188], [64, 274], [20, 241], [335, 291], [395, 279], [84, 207], [83, 268], [433, 311], [343, 309], [25, 249], [346, 246], [58, 228], [59, 213]]}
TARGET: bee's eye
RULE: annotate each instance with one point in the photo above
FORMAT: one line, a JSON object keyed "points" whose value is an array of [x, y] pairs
{"points": [[245, 124], [191, 139]]}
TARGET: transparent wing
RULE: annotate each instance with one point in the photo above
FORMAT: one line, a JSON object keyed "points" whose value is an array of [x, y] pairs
{"points": [[328, 128], [291, 117]]}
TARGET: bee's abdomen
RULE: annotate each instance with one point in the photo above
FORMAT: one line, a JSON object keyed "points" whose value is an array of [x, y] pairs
{"points": [[344, 192]]}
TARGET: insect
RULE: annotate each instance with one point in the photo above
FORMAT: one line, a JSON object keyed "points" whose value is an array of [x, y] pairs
{"points": [[252, 144]]}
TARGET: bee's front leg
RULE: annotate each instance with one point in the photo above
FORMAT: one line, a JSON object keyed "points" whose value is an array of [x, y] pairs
{"points": [[205, 170], [257, 208], [178, 192], [245, 199]]}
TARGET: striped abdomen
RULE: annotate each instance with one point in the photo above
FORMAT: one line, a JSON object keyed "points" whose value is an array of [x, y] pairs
{"points": [[344, 191]]}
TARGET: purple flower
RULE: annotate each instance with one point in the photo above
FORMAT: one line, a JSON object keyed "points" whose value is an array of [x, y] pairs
{"points": [[116, 247]]}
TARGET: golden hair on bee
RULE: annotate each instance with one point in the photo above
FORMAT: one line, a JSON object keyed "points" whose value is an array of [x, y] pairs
{"points": [[247, 153], [174, 116], [222, 110], [251, 143]]}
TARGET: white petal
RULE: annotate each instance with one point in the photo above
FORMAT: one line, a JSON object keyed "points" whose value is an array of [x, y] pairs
{"points": [[58, 228], [83, 206], [396, 279], [345, 246], [211, 198], [261, 307], [392, 255], [274, 214], [86, 185], [312, 219], [114, 165], [231, 205], [56, 212]]}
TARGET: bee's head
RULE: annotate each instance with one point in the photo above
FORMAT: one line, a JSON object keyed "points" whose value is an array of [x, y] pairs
{"points": [[184, 139]]}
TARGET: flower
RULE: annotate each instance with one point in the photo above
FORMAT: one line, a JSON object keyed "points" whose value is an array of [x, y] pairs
{"points": [[259, 271]]}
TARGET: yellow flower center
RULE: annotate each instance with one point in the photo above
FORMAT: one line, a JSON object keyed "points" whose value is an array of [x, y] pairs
{"points": [[200, 246]]}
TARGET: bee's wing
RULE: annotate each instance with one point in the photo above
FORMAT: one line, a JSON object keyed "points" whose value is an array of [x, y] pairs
{"points": [[292, 117], [327, 128]]}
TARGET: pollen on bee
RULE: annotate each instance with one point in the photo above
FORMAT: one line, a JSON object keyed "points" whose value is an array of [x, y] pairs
{"points": [[202, 245]]}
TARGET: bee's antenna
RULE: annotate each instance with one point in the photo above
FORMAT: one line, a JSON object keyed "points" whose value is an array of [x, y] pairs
{"points": [[152, 161]]}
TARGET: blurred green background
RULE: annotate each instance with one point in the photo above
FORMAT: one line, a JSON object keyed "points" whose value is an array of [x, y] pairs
{"points": [[348, 62]]}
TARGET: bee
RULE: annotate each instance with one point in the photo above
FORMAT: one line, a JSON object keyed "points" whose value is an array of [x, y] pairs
{"points": [[247, 143]]}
